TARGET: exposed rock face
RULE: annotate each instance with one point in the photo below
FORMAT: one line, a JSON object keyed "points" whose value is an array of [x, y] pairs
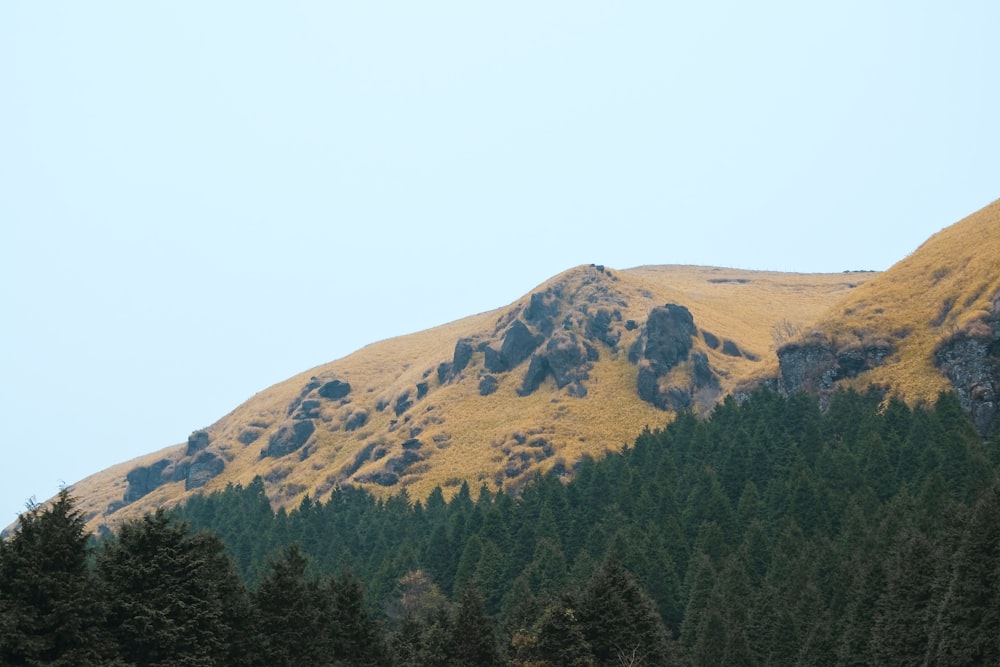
{"points": [[356, 420], [197, 441], [194, 468], [542, 311], [290, 436], [816, 365], [971, 361], [249, 435], [599, 327], [518, 344], [204, 467], [666, 341], [566, 358], [462, 356], [335, 390], [667, 338], [308, 409], [488, 385], [144, 479]]}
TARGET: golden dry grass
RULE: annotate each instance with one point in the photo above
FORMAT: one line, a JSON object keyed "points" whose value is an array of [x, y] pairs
{"points": [[945, 286], [470, 437]]}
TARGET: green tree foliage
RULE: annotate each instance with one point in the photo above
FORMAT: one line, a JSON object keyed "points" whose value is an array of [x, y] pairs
{"points": [[175, 598], [51, 612], [771, 533]]}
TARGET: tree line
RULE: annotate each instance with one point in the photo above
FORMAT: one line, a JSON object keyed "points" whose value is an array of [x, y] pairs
{"points": [[771, 533]]}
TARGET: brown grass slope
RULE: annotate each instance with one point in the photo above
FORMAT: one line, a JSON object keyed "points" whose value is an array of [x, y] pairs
{"points": [[499, 439], [948, 287]]}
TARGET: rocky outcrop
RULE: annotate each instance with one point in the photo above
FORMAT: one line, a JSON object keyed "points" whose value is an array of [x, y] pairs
{"points": [[667, 338], [518, 344], [204, 467], [816, 364], [334, 390], [356, 420], [144, 479], [598, 327], [487, 385], [567, 359], [195, 467], [197, 441], [666, 341], [970, 359], [290, 436], [462, 355]]}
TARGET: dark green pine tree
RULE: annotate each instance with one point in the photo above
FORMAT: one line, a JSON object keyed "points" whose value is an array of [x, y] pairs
{"points": [[290, 610], [355, 638], [556, 639], [175, 598], [966, 630], [620, 620], [903, 613], [50, 610], [474, 641]]}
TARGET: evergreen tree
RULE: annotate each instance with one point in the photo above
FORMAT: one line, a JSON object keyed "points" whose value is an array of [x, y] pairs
{"points": [[966, 629], [556, 638], [175, 598], [474, 641], [51, 612], [619, 619]]}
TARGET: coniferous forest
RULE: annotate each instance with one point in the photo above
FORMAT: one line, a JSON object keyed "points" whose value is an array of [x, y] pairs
{"points": [[771, 533]]}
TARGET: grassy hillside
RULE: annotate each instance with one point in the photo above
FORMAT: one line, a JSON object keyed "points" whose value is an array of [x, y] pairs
{"points": [[948, 285], [500, 438]]}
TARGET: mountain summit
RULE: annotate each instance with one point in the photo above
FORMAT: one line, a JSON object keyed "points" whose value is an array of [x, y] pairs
{"points": [[582, 364]]}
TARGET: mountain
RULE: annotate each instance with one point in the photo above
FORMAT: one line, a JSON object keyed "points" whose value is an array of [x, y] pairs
{"points": [[581, 365], [929, 324]]}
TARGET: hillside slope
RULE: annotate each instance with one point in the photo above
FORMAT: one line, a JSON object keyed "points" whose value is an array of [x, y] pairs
{"points": [[578, 366], [928, 324], [581, 365]]}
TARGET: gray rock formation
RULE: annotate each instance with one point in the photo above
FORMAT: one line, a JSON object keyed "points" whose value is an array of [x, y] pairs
{"points": [[487, 385], [971, 361], [290, 436], [197, 441], [144, 479], [815, 365], [204, 467], [566, 358], [666, 341], [335, 390]]}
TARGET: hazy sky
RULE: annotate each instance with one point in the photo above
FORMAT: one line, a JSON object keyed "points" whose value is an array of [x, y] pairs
{"points": [[200, 199]]}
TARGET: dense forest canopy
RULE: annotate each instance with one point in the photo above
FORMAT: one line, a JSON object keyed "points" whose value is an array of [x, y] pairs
{"points": [[772, 533]]}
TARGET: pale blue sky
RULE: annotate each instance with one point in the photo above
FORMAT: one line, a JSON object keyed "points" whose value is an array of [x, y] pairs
{"points": [[200, 199]]}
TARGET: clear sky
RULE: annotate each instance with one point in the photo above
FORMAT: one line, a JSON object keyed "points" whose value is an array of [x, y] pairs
{"points": [[200, 199]]}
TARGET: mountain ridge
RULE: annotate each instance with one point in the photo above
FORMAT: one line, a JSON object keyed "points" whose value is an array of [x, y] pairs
{"points": [[580, 366]]}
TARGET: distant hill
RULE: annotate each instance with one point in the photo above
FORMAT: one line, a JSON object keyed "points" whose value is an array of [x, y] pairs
{"points": [[581, 365]]}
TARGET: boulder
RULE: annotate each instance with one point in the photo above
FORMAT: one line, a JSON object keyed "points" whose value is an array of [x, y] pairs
{"points": [[197, 441], [144, 479], [356, 420], [487, 385], [667, 338], [249, 435], [334, 390], [462, 356], [290, 436], [518, 344], [598, 328], [403, 403], [204, 467], [665, 342]]}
